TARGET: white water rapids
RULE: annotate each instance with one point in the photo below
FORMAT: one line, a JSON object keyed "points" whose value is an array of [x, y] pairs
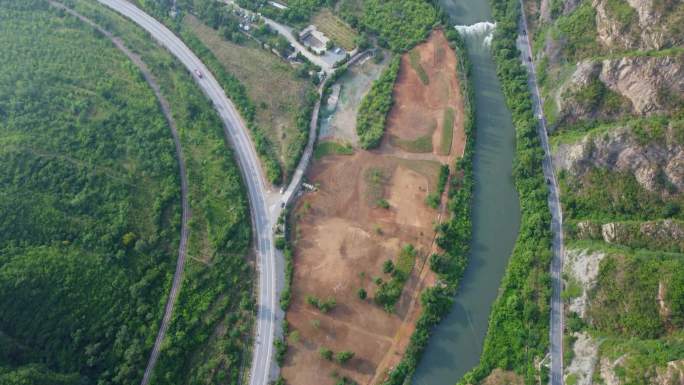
{"points": [[484, 29]]}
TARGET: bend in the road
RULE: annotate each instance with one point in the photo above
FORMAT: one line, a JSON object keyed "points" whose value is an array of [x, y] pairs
{"points": [[237, 134], [182, 246]]}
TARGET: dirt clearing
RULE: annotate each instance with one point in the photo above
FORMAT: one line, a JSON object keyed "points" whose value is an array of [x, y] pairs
{"points": [[426, 96], [368, 208]]}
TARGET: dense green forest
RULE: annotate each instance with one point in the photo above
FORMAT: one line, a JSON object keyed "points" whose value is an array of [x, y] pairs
{"points": [[128, 236], [89, 199], [398, 24], [210, 334]]}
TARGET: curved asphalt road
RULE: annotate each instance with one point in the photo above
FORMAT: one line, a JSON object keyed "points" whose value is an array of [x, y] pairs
{"points": [[262, 219], [556, 327], [183, 243]]}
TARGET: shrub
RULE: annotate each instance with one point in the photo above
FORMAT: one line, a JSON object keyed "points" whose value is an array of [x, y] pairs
{"points": [[344, 356], [432, 200], [281, 350], [322, 305], [325, 353], [388, 266], [280, 243]]}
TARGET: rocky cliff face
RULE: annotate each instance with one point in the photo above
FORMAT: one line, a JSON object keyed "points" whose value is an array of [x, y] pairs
{"points": [[663, 235], [658, 166], [649, 85], [648, 82], [638, 24]]}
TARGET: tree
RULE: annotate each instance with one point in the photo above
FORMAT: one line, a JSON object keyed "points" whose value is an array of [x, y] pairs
{"points": [[344, 356], [362, 293]]}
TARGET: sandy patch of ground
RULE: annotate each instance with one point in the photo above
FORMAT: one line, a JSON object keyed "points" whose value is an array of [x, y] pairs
{"points": [[419, 108]]}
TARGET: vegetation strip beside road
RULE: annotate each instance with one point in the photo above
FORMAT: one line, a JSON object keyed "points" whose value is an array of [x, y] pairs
{"points": [[518, 332], [185, 206]]}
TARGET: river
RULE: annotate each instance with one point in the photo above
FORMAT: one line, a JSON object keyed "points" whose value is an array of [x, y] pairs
{"points": [[456, 344]]}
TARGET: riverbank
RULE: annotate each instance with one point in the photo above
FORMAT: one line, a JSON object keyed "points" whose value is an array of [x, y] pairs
{"points": [[518, 334], [457, 341]]}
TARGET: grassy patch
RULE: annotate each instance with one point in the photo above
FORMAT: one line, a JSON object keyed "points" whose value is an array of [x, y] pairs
{"points": [[622, 304], [605, 196], [375, 180], [579, 30], [278, 97], [572, 290], [447, 131], [422, 144], [641, 357], [334, 28], [414, 60], [332, 148], [622, 12]]}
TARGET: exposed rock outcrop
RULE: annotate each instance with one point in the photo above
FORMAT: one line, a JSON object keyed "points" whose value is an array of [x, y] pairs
{"points": [[651, 85], [672, 374], [646, 27], [582, 366], [607, 370], [570, 5], [582, 266], [645, 80], [620, 150]]}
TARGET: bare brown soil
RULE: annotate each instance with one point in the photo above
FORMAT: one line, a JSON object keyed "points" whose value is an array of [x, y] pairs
{"points": [[342, 237], [502, 377], [418, 106]]}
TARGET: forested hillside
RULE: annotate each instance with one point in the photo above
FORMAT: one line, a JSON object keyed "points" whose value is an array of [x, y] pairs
{"points": [[89, 204], [88, 247]]}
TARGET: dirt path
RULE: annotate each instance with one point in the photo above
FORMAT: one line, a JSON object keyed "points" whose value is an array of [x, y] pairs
{"points": [[182, 246]]}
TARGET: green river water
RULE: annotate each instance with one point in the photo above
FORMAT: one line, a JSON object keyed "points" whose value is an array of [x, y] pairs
{"points": [[456, 344]]}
